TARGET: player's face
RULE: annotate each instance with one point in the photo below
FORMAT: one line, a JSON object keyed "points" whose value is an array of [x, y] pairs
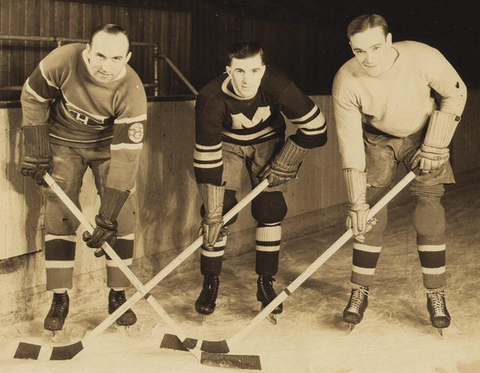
{"points": [[246, 75], [107, 56], [372, 49]]}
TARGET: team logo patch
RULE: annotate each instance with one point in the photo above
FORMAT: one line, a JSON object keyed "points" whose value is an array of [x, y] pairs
{"points": [[135, 132], [240, 121]]}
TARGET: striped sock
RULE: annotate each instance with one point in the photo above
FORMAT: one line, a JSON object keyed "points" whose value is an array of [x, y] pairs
{"points": [[267, 239]]}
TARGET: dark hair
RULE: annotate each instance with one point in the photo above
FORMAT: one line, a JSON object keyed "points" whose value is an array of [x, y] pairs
{"points": [[109, 28], [245, 49], [363, 23]]}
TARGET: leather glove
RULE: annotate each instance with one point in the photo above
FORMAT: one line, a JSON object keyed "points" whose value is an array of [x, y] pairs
{"points": [[37, 159], [106, 220], [212, 221], [430, 159], [284, 166], [105, 231], [35, 167]]}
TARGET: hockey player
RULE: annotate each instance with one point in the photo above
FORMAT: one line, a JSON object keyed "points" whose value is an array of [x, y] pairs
{"points": [[239, 123], [85, 107], [385, 114]]}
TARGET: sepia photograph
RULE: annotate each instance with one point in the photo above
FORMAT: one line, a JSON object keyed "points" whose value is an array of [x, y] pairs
{"points": [[218, 186]]}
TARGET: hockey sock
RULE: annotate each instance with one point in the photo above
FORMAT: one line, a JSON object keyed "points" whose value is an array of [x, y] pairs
{"points": [[124, 249], [211, 261], [267, 238], [429, 222], [59, 261]]}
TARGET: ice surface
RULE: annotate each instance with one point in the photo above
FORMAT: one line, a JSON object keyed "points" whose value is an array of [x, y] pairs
{"points": [[394, 336]]}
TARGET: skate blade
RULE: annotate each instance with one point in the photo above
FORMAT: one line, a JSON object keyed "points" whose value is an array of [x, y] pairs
{"points": [[272, 318], [351, 327], [124, 329], [440, 331]]}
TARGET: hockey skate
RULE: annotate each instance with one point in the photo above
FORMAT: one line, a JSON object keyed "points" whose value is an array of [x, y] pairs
{"points": [[205, 304], [115, 300], [357, 304], [57, 314], [266, 294], [437, 308]]}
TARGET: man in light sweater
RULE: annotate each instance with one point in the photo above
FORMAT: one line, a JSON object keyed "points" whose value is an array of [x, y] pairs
{"points": [[386, 114]]}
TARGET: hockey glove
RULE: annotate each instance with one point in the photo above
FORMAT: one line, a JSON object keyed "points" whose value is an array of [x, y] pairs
{"points": [[106, 220], [37, 160], [284, 165], [212, 221], [358, 208], [434, 153]]}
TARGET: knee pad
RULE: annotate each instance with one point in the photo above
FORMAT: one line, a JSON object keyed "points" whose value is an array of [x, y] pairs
{"points": [[229, 201], [59, 220], [269, 207], [429, 221]]}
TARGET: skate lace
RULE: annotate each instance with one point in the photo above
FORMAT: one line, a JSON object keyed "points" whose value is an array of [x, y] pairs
{"points": [[120, 298], [268, 289], [208, 292], [437, 300], [358, 295], [59, 303]]}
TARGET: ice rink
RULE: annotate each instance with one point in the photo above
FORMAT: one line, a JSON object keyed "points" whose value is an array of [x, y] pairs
{"points": [[394, 337]]}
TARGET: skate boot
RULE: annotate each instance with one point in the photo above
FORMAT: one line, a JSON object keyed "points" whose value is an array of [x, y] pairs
{"points": [[205, 304], [58, 312], [357, 304], [266, 294], [437, 308], [115, 300]]}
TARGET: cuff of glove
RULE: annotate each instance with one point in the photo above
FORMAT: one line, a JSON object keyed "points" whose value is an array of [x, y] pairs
{"points": [[212, 198], [37, 141], [356, 185], [441, 128], [433, 149], [290, 156], [112, 202]]}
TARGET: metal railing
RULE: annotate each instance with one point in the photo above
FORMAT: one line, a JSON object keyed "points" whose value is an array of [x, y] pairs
{"points": [[59, 40]]}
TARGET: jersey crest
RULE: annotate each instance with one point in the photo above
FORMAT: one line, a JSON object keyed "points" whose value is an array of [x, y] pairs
{"points": [[135, 133], [240, 121]]}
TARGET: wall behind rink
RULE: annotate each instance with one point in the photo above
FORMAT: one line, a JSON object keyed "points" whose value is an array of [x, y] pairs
{"points": [[168, 204]]}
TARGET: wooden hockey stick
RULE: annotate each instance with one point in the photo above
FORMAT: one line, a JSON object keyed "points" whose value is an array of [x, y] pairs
{"points": [[223, 346], [31, 351]]}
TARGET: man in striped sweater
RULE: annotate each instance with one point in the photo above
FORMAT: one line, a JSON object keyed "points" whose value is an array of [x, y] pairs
{"points": [[85, 107], [239, 124], [386, 114]]}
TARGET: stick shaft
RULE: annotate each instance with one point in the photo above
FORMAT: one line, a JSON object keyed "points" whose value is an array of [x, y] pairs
{"points": [[319, 261], [143, 290]]}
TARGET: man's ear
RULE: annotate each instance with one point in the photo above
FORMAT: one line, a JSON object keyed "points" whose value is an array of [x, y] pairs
{"points": [[129, 55], [351, 47], [228, 69], [389, 39]]}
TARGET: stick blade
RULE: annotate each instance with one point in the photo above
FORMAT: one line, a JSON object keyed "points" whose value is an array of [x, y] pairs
{"points": [[172, 342], [251, 362], [27, 351], [66, 352]]}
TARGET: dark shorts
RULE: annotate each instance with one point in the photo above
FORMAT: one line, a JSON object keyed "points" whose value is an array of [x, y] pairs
{"points": [[384, 153], [253, 158]]}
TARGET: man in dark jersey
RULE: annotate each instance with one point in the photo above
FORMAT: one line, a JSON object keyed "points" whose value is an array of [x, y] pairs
{"points": [[85, 107], [239, 123]]}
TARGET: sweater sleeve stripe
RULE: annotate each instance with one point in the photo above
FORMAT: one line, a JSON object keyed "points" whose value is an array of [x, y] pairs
{"points": [[49, 82], [33, 93]]}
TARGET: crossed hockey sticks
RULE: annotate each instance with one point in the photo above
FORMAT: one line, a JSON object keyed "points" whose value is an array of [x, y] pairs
{"points": [[212, 349], [32, 351]]}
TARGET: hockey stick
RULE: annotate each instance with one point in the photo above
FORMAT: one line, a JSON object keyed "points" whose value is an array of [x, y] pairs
{"points": [[31, 351], [213, 348]]}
